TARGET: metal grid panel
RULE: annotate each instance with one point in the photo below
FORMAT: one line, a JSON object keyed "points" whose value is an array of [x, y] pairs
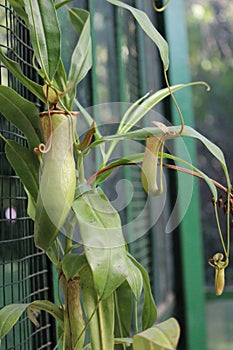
{"points": [[23, 268]]}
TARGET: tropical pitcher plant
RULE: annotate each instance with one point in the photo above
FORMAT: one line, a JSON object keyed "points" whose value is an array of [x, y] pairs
{"points": [[101, 282]]}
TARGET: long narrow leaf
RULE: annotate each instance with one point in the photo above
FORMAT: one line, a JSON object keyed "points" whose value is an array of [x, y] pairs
{"points": [[9, 315], [142, 134], [22, 113], [81, 60], [137, 158], [123, 310], [99, 313], [44, 34], [60, 77], [15, 69], [89, 120], [135, 279], [137, 113], [208, 181], [62, 3], [214, 149], [147, 104], [103, 241], [18, 6], [31, 205], [163, 336], [25, 164], [78, 18], [47, 306], [106, 172], [149, 313], [145, 23]]}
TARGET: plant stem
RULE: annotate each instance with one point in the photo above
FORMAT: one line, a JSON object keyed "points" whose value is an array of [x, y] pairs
{"points": [[136, 316], [73, 315], [119, 319]]}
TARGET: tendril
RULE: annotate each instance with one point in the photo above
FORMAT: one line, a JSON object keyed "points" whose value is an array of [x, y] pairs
{"points": [[42, 148], [176, 104], [160, 9], [220, 232]]}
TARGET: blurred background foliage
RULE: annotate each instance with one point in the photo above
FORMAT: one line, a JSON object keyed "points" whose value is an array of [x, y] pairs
{"points": [[210, 31]]}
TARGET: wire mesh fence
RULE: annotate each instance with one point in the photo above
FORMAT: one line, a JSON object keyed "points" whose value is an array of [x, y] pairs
{"points": [[24, 270]]}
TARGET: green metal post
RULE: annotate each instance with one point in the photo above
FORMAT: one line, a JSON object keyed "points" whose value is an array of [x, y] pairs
{"points": [[190, 227]]}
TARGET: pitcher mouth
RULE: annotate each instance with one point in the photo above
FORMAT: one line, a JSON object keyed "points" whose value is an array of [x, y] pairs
{"points": [[41, 148], [57, 111]]}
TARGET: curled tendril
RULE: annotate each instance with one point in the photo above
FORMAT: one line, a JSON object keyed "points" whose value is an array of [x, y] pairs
{"points": [[160, 9], [42, 149]]}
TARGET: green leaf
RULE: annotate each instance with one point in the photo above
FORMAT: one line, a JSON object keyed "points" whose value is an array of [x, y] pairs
{"points": [[133, 115], [106, 322], [126, 341], [103, 241], [22, 113], [89, 120], [18, 7], [137, 158], [81, 60], [78, 19], [131, 159], [135, 279], [9, 315], [149, 313], [139, 109], [62, 3], [53, 253], [214, 149], [90, 305], [26, 166], [60, 80], [31, 205], [15, 69], [203, 175], [87, 347], [123, 310], [44, 34], [47, 306], [72, 264], [99, 313], [163, 336], [145, 23], [60, 76]]}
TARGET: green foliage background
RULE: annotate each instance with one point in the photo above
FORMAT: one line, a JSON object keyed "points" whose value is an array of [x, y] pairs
{"points": [[210, 29]]}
